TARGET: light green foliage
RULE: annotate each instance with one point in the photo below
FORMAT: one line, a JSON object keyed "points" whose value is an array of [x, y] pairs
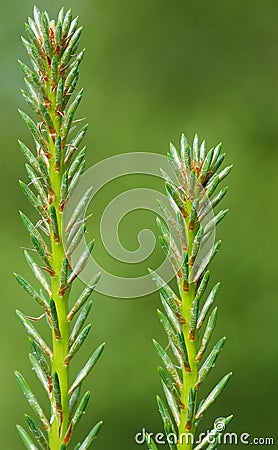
{"points": [[54, 168], [189, 332]]}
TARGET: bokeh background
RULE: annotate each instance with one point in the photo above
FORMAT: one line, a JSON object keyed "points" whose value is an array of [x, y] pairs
{"points": [[153, 69]]}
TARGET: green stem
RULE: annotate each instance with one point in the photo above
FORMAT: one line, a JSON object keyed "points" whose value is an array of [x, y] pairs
{"points": [[60, 351], [60, 346], [189, 379]]}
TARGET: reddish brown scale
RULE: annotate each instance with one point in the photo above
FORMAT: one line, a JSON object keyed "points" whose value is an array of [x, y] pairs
{"points": [[62, 206], [192, 335], [188, 425], [47, 103], [60, 412], [209, 174], [185, 214], [57, 166], [191, 261], [57, 239], [51, 196], [182, 320], [191, 226], [63, 290], [184, 248], [196, 168], [53, 87], [44, 78], [50, 384], [57, 50], [59, 113], [64, 143], [51, 32], [57, 336], [43, 55], [68, 435], [185, 286], [177, 301], [48, 155], [40, 124], [48, 222], [52, 134], [187, 368], [179, 385], [181, 405], [49, 271]]}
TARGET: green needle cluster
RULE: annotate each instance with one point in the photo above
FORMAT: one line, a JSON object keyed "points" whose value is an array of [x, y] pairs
{"points": [[54, 168], [189, 318]]}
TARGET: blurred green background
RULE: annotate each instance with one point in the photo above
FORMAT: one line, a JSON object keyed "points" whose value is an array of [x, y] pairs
{"points": [[152, 69]]}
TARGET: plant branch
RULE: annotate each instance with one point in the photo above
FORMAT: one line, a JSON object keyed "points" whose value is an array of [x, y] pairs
{"points": [[192, 198], [54, 171]]}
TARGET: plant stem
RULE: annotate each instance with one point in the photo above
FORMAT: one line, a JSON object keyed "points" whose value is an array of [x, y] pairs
{"points": [[189, 378], [192, 198], [54, 171], [60, 346]]}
